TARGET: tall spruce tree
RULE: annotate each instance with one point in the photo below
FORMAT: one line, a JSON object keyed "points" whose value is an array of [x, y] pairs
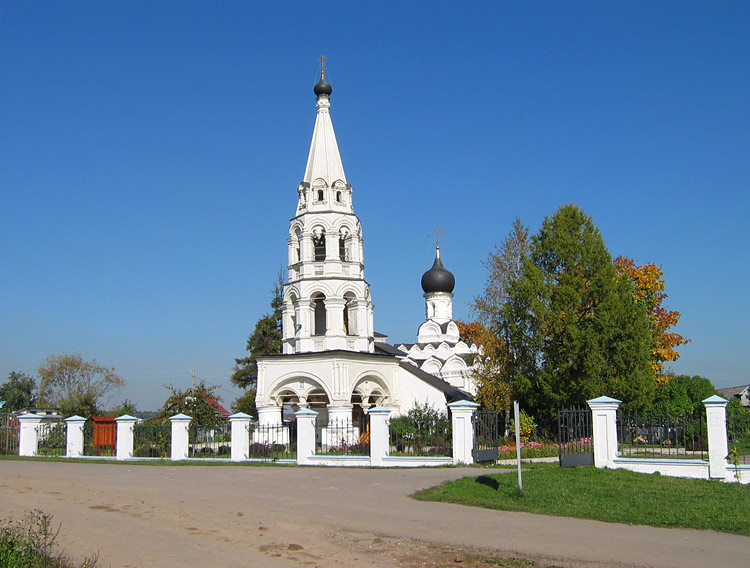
{"points": [[264, 340], [574, 328]]}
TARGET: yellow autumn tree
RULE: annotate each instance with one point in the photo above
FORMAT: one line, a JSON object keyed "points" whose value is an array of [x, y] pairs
{"points": [[648, 283]]}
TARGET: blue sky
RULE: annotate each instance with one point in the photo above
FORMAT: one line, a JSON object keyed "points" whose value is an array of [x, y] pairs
{"points": [[151, 151]]}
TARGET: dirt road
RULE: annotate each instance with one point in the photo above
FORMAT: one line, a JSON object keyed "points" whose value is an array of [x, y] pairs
{"points": [[178, 516]]}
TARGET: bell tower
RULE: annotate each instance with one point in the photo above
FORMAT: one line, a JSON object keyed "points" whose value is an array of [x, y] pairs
{"points": [[326, 298]]}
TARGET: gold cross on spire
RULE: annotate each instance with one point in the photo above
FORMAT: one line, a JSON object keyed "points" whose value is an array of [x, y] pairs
{"points": [[437, 234], [322, 60]]}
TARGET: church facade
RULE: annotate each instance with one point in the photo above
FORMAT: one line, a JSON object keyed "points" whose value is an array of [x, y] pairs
{"points": [[333, 361]]}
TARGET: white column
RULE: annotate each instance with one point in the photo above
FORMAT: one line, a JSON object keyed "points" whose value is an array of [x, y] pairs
{"points": [[180, 441], [604, 430], [305, 435], [125, 426], [269, 415], [240, 436], [28, 434], [379, 434], [463, 431], [74, 437], [718, 445]]}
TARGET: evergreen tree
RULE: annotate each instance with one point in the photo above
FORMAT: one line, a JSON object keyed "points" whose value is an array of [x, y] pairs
{"points": [[265, 339], [574, 328]]}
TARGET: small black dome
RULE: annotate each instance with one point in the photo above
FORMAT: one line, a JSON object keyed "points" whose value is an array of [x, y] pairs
{"points": [[438, 278], [322, 88]]}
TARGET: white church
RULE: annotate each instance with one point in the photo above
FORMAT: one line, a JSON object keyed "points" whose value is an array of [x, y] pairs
{"points": [[333, 361]]}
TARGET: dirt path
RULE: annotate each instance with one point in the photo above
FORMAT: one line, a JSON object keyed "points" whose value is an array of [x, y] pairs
{"points": [[177, 516]]}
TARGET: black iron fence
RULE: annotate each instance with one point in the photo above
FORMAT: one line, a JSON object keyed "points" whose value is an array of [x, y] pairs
{"points": [[99, 439], [488, 428], [738, 431], [273, 441], [51, 438], [653, 436], [421, 437], [342, 437], [9, 434], [574, 437], [152, 439], [210, 441]]}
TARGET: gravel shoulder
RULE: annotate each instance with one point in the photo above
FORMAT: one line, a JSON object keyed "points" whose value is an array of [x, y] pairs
{"points": [[170, 516]]}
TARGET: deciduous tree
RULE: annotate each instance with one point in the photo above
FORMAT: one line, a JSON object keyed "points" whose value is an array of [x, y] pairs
{"points": [[18, 392], [75, 385], [200, 403], [648, 288]]}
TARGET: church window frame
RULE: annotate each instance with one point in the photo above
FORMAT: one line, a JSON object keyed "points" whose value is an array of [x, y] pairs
{"points": [[320, 314], [319, 244]]}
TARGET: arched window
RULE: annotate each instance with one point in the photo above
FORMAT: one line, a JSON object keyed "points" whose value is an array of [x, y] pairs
{"points": [[319, 242], [320, 195], [343, 249], [320, 314], [338, 196], [350, 315]]}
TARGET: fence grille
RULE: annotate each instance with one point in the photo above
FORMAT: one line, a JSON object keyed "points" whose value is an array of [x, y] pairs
{"points": [[99, 439], [738, 430], [574, 437], [273, 441], [210, 441], [487, 425], [430, 437], [8, 434], [51, 438], [654, 436], [343, 437], [152, 439]]}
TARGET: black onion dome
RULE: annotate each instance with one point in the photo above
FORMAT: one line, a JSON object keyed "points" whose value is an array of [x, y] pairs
{"points": [[438, 278], [322, 88]]}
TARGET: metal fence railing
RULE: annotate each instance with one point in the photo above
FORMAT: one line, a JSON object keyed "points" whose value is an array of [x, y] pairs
{"points": [[574, 437], [8, 434], [430, 437], [99, 439], [738, 431], [51, 438], [273, 441], [152, 439], [210, 441], [342, 437], [653, 436]]}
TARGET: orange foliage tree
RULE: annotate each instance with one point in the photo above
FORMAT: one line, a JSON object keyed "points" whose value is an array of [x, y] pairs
{"points": [[649, 284]]}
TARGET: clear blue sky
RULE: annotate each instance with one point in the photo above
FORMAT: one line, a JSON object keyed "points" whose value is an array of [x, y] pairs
{"points": [[150, 154]]}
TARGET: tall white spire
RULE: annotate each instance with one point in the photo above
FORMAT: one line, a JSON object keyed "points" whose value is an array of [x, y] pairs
{"points": [[324, 159]]}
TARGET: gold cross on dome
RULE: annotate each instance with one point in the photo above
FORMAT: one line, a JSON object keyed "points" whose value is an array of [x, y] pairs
{"points": [[437, 234], [322, 60]]}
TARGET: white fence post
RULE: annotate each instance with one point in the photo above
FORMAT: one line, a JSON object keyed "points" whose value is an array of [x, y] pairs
{"points": [[28, 434], [74, 436], [240, 436], [463, 431], [718, 445], [379, 434], [305, 435], [604, 426], [125, 424], [180, 436]]}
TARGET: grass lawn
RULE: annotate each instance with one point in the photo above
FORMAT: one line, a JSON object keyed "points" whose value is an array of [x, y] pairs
{"points": [[615, 496]]}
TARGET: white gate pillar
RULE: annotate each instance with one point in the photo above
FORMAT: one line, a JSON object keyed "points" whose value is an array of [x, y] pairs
{"points": [[28, 434], [74, 436], [463, 431], [180, 439], [125, 426], [305, 435], [379, 434], [604, 430], [240, 436], [718, 445]]}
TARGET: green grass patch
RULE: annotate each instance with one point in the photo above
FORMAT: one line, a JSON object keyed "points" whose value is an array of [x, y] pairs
{"points": [[615, 496]]}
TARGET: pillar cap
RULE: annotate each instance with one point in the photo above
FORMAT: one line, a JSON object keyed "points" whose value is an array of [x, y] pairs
{"points": [[180, 416], [30, 416], [464, 404], [126, 418], [241, 415], [75, 418], [305, 412], [379, 410], [715, 399], [603, 400]]}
